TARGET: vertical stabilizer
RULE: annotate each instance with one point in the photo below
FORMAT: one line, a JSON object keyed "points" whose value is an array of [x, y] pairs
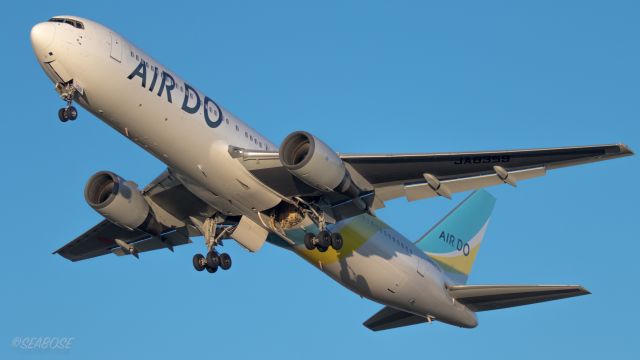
{"points": [[454, 241]]}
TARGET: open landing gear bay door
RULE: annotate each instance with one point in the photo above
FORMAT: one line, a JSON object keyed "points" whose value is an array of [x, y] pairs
{"points": [[249, 234]]}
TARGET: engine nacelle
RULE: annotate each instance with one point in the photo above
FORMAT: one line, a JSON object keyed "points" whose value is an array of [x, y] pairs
{"points": [[120, 202], [312, 161]]}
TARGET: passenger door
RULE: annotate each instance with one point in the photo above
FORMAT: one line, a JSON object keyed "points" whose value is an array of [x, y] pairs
{"points": [[116, 47]]}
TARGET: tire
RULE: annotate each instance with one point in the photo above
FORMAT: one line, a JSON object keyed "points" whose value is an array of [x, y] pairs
{"points": [[62, 115], [225, 261], [71, 113], [336, 241], [308, 241], [213, 261], [322, 248], [211, 270], [324, 239], [198, 263]]}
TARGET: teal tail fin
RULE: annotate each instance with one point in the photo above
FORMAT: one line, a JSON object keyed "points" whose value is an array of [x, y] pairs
{"points": [[453, 242]]}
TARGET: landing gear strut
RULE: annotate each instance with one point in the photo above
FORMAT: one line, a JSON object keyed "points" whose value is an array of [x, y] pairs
{"points": [[323, 241], [213, 260], [67, 92]]}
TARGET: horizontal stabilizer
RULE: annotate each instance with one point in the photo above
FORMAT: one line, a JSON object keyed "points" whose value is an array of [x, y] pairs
{"points": [[390, 318], [491, 297]]}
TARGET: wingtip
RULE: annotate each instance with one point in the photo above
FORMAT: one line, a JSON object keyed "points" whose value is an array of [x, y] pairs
{"points": [[625, 149], [582, 290]]}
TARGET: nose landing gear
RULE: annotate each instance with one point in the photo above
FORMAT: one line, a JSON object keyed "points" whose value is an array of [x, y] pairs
{"points": [[67, 92], [68, 113]]}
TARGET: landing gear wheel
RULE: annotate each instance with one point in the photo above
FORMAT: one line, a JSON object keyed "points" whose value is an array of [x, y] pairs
{"points": [[324, 240], [225, 261], [308, 241], [322, 248], [71, 113], [211, 270], [62, 115], [198, 262], [336, 241], [213, 260]]}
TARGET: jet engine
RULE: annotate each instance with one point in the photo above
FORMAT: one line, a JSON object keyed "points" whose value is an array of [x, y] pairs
{"points": [[120, 202], [312, 161]]}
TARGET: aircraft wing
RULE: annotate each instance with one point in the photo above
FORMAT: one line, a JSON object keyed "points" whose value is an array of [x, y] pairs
{"points": [[420, 176], [101, 240], [171, 202], [492, 297]]}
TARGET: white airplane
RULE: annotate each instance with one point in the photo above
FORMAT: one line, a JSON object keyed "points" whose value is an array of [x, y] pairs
{"points": [[226, 181]]}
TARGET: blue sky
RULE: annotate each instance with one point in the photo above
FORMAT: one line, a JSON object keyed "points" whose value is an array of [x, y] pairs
{"points": [[371, 76]]}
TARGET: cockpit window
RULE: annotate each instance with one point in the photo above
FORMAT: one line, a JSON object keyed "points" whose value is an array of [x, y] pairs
{"points": [[75, 23]]}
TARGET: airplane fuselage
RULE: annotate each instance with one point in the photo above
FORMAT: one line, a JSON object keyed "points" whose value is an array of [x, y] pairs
{"points": [[189, 132]]}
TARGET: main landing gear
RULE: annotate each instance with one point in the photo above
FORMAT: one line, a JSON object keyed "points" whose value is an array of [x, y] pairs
{"points": [[67, 92], [212, 237], [323, 241], [212, 261]]}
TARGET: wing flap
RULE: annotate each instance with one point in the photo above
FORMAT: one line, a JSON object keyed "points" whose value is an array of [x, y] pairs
{"points": [[166, 241], [97, 241], [492, 297], [424, 190], [101, 240]]}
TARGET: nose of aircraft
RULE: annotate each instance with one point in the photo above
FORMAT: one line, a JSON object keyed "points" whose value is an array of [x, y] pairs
{"points": [[42, 36]]}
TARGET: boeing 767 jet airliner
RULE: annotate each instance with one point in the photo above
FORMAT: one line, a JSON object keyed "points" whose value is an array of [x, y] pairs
{"points": [[229, 182]]}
